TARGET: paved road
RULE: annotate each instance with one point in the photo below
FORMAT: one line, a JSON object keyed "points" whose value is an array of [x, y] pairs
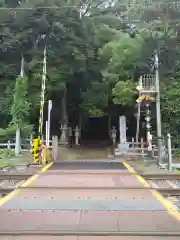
{"points": [[80, 206]]}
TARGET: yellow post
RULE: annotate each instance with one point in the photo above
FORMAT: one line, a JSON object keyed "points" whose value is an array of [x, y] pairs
{"points": [[46, 156], [43, 156], [36, 150]]}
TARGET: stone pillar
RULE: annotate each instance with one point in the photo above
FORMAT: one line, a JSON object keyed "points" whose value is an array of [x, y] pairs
{"points": [[77, 135], [123, 146], [70, 135], [113, 135], [122, 129], [55, 148]]}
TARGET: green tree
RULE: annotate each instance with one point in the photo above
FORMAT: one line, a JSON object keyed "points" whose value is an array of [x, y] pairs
{"points": [[20, 108], [93, 64], [170, 109], [123, 55], [20, 105]]}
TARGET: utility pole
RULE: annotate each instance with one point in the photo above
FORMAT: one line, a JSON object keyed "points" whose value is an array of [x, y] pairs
{"points": [[158, 112]]}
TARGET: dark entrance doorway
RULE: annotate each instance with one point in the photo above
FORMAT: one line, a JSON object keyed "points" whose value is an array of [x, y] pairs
{"points": [[95, 130]]}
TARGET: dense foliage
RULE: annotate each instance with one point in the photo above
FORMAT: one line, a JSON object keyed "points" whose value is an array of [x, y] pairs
{"points": [[95, 56], [20, 105]]}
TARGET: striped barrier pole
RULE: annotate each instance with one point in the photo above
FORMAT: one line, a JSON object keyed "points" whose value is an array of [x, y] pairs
{"points": [[41, 117]]}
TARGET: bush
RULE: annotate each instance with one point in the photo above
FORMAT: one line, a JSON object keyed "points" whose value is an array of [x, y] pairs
{"points": [[177, 154], [10, 132]]}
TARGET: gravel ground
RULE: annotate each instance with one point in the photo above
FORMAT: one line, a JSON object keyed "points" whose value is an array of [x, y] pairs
{"points": [[162, 183], [12, 183], [176, 182], [169, 184], [9, 184]]}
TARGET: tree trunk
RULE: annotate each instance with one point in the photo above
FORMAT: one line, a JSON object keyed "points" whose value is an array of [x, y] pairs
{"points": [[64, 116], [109, 126], [80, 122], [18, 142]]}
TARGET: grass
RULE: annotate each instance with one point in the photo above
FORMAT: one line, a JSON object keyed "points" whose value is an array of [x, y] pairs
{"points": [[4, 164], [10, 161]]}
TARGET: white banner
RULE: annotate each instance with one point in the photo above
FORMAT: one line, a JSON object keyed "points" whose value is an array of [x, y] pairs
{"points": [[122, 129]]}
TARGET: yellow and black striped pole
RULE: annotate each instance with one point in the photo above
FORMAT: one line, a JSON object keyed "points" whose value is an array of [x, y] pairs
{"points": [[37, 142], [36, 150], [41, 116]]}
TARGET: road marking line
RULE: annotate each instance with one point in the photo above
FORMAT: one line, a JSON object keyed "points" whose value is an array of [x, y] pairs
{"points": [[167, 204], [25, 184]]}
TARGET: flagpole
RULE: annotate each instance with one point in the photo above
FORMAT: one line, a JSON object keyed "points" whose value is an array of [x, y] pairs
{"points": [[43, 86]]}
